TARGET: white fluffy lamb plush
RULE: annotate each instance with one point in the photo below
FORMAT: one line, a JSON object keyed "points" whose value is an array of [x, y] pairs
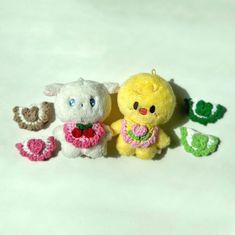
{"points": [[82, 106]]}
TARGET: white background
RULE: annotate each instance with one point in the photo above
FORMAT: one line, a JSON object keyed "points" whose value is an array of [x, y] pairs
{"points": [[45, 41]]}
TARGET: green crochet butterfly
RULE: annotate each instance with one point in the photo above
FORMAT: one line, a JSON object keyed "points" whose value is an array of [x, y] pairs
{"points": [[197, 143], [204, 112]]}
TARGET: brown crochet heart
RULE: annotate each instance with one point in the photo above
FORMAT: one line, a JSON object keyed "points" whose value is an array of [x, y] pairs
{"points": [[32, 118], [30, 115]]}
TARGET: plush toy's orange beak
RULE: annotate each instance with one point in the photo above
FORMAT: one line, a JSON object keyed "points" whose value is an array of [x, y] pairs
{"points": [[143, 111]]}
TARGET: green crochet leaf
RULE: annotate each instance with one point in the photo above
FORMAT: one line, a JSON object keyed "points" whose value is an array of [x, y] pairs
{"points": [[204, 112], [83, 126], [138, 138], [197, 143]]}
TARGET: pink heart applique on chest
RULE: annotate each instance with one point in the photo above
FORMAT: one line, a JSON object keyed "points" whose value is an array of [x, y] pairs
{"points": [[36, 146], [139, 130]]}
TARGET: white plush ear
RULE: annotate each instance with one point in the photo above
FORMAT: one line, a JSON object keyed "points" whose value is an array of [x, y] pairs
{"points": [[53, 89], [80, 79], [112, 87]]}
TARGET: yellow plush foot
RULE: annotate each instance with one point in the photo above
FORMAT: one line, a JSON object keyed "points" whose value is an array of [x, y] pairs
{"points": [[146, 153], [124, 148]]}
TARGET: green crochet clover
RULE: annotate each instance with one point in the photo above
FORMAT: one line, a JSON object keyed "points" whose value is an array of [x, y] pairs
{"points": [[204, 112], [197, 143]]}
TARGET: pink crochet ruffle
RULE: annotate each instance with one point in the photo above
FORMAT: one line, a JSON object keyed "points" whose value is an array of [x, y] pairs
{"points": [[37, 149], [83, 141]]}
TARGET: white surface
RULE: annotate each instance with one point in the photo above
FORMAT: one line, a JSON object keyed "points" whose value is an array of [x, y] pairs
{"points": [[58, 41]]}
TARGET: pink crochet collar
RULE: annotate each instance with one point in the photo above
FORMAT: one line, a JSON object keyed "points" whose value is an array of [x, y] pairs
{"points": [[138, 135], [37, 149], [89, 138]]}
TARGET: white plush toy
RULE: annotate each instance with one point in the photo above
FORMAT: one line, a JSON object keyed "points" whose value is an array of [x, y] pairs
{"points": [[82, 106]]}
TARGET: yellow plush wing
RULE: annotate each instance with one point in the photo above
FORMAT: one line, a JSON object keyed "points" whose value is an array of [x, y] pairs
{"points": [[115, 127], [163, 140]]}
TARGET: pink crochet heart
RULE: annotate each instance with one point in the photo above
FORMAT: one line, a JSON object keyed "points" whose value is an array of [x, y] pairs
{"points": [[36, 146], [37, 149], [139, 130]]}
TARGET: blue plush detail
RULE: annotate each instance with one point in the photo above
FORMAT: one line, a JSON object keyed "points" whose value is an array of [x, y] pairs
{"points": [[72, 102], [92, 102]]}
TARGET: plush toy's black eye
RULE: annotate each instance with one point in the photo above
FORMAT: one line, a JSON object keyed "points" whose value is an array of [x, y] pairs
{"points": [[152, 109], [135, 105], [92, 102]]}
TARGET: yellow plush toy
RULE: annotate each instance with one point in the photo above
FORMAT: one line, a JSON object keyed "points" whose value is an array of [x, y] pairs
{"points": [[146, 101]]}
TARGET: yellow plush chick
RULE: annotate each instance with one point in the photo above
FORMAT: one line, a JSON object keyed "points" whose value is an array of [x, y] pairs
{"points": [[146, 101]]}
